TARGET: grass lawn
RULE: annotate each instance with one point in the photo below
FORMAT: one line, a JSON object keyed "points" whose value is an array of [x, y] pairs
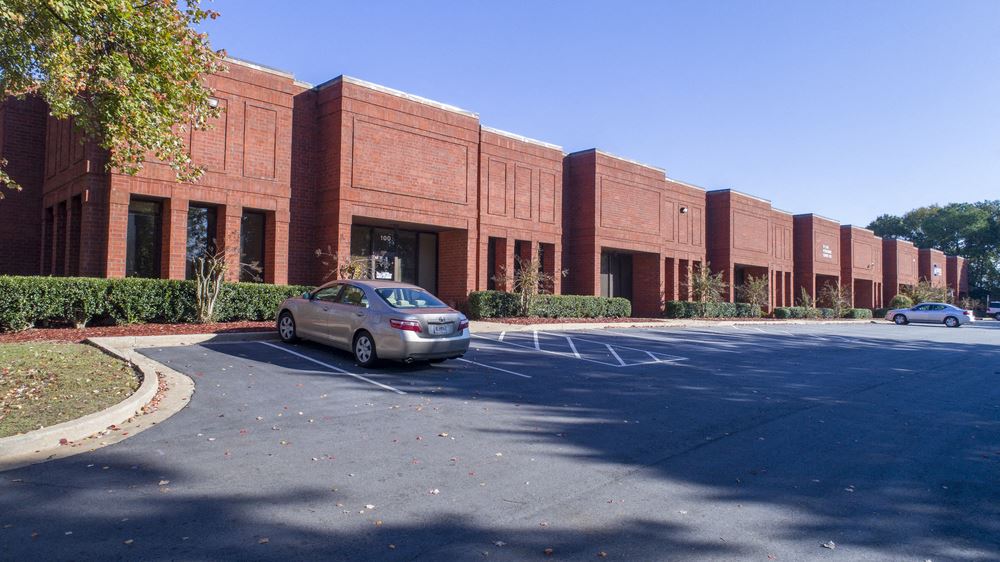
{"points": [[42, 384]]}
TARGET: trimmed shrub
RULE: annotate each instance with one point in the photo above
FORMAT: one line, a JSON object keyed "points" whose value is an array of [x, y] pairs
{"points": [[859, 314], [492, 304], [685, 309], [786, 312], [900, 301], [500, 304], [29, 301]]}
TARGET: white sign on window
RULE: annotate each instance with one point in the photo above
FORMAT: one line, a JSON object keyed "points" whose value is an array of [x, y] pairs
{"points": [[827, 252], [383, 275]]}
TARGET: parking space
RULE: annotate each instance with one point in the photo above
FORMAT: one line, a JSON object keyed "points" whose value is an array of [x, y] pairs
{"points": [[746, 442]]}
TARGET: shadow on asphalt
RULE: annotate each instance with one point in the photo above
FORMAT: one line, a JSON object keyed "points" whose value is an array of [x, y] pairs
{"points": [[899, 446]]}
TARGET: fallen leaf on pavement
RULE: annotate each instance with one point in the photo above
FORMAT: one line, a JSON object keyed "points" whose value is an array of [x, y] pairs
{"points": [[829, 544], [129, 541], [548, 552], [263, 540]]}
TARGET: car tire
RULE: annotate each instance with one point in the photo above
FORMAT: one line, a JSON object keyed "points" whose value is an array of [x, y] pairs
{"points": [[286, 328], [900, 320], [364, 349], [952, 322], [997, 317], [436, 361]]}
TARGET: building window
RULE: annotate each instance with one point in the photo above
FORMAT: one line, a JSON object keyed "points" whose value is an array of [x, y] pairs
{"points": [[144, 239], [201, 233], [491, 264], [252, 235], [391, 253]]}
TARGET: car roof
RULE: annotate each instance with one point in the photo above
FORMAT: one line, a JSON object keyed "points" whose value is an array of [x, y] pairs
{"points": [[375, 283], [932, 302]]}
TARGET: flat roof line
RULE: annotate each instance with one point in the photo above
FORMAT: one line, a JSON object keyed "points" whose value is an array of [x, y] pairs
{"points": [[623, 159], [521, 138], [686, 184], [258, 66], [729, 190], [853, 227], [817, 216], [397, 93], [782, 211]]}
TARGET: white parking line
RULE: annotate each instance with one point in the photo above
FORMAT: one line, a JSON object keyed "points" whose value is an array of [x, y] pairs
{"points": [[510, 346], [655, 358], [502, 334], [494, 368], [328, 366], [536, 340], [615, 353], [572, 346]]}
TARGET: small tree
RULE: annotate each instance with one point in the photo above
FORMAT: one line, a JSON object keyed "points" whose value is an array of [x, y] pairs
{"points": [[704, 286], [209, 275], [901, 301], [805, 299], [837, 297], [924, 291], [754, 290], [527, 282], [349, 267]]}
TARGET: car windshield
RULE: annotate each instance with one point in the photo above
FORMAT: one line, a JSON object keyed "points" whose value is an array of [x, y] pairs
{"points": [[408, 297]]}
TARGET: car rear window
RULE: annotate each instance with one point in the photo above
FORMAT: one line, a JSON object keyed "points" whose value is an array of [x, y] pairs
{"points": [[995, 304], [406, 297]]}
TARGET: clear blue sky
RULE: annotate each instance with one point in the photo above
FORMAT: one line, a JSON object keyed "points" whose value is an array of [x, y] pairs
{"points": [[846, 109]]}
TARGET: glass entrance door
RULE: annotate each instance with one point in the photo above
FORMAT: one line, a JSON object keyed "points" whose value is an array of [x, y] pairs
{"points": [[616, 275], [399, 255]]}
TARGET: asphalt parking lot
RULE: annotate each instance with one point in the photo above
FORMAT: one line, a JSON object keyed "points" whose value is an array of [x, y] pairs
{"points": [[729, 443]]}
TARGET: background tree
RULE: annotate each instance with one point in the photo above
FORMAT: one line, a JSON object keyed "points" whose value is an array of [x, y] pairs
{"points": [[704, 286], [837, 297], [970, 230], [129, 73]]}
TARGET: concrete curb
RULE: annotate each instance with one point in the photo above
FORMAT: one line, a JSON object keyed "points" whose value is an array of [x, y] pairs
{"points": [[74, 430], [485, 326]]}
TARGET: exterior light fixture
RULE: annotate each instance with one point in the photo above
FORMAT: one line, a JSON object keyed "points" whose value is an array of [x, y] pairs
{"points": [[937, 270], [684, 210], [213, 102]]}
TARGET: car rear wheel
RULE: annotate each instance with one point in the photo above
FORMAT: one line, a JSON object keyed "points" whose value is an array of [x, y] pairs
{"points": [[900, 319], [364, 349], [286, 327], [951, 322]]}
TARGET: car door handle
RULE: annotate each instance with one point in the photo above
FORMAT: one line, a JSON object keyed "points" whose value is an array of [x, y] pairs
{"points": [[326, 309], [359, 313]]}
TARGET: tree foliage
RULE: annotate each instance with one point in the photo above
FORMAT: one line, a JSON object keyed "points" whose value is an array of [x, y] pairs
{"points": [[129, 73], [755, 290], [704, 286], [970, 230]]}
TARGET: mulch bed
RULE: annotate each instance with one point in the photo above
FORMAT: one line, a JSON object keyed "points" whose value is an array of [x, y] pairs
{"points": [[75, 335]]}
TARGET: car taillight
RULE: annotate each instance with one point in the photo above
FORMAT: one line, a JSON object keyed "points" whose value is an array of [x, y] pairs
{"points": [[463, 324], [967, 312], [405, 325]]}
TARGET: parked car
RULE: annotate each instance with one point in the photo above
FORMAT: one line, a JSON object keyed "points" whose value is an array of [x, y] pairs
{"points": [[376, 320], [932, 313], [993, 309]]}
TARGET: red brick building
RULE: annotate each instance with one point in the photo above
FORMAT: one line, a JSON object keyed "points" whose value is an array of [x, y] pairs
{"points": [[957, 276], [749, 237], [932, 267], [861, 266], [899, 267], [412, 190], [629, 231], [817, 254]]}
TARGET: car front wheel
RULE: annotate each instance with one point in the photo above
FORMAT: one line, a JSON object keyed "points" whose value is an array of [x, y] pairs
{"points": [[286, 327], [364, 349], [899, 319], [951, 322]]}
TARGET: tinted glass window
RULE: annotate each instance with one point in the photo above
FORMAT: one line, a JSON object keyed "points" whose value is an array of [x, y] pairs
{"points": [[405, 297], [328, 294], [252, 266], [143, 242], [995, 304], [354, 296], [201, 231]]}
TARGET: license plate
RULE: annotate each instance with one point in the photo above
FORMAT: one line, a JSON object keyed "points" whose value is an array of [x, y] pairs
{"points": [[440, 329]]}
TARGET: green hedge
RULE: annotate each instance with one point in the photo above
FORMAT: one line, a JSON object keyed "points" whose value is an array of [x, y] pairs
{"points": [[500, 304], [859, 314], [685, 309], [29, 301], [803, 312]]}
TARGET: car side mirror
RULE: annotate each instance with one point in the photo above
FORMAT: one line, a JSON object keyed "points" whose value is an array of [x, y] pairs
{"points": [[307, 295]]}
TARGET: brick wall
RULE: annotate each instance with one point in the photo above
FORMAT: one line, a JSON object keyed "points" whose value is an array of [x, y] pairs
{"points": [[861, 266], [929, 259], [958, 276], [22, 144], [817, 253]]}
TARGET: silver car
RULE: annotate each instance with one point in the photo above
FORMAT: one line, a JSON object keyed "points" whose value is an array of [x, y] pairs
{"points": [[932, 313], [376, 320]]}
